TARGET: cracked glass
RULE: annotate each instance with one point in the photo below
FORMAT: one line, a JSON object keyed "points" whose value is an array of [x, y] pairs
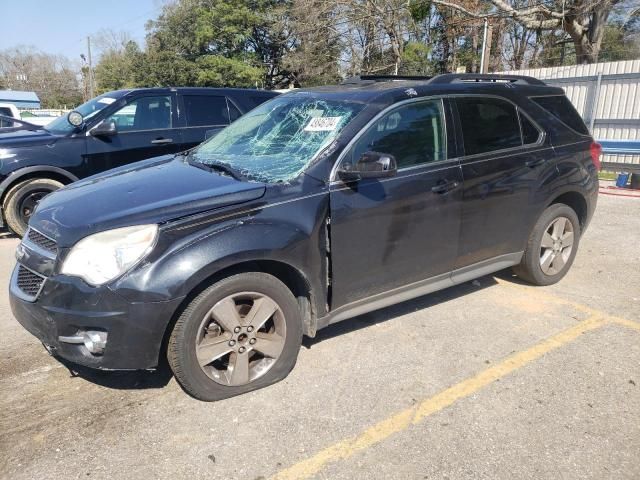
{"points": [[277, 140]]}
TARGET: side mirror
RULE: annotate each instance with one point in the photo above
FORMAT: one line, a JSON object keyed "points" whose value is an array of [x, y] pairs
{"points": [[106, 128], [370, 165]]}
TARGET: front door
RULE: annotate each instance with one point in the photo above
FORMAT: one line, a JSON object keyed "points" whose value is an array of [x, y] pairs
{"points": [[388, 233], [145, 128]]}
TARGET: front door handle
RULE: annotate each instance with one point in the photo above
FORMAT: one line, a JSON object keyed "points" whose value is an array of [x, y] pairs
{"points": [[161, 141], [444, 187], [535, 163]]}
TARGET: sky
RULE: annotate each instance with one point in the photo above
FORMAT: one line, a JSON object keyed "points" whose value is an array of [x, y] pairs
{"points": [[61, 26]]}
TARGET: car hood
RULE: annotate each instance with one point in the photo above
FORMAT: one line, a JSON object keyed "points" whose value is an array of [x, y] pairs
{"points": [[23, 137], [152, 191]]}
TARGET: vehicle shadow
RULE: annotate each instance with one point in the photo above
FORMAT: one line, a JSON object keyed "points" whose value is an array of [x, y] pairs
{"points": [[159, 378], [122, 380], [404, 308]]}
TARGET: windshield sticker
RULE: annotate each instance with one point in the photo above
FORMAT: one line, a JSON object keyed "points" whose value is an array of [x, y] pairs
{"points": [[107, 100], [322, 124]]}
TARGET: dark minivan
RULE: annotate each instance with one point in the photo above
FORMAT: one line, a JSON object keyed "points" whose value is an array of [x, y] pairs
{"points": [[315, 207], [108, 131]]}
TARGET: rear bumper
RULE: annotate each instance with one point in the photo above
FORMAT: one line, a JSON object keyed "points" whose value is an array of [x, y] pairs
{"points": [[66, 306]]}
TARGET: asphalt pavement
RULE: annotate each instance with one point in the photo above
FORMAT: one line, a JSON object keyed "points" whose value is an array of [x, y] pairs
{"points": [[491, 379]]}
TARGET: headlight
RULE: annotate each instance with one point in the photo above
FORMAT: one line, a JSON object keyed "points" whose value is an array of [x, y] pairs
{"points": [[106, 255]]}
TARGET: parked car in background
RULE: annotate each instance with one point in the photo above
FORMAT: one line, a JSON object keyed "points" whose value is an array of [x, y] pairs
{"points": [[40, 118], [109, 131], [8, 110], [315, 207]]}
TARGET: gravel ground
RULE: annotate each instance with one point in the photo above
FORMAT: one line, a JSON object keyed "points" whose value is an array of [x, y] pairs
{"points": [[459, 384]]}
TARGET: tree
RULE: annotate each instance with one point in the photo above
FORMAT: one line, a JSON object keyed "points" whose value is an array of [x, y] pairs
{"points": [[621, 41], [582, 20], [313, 46], [119, 68], [52, 77], [218, 42]]}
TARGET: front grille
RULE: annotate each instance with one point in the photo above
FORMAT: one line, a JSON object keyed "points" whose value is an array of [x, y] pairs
{"points": [[29, 282], [41, 241]]}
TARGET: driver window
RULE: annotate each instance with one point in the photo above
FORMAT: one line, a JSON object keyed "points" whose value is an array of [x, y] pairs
{"points": [[414, 134], [145, 113]]}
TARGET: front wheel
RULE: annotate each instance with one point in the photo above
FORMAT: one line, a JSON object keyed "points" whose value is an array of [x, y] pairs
{"points": [[552, 246], [22, 200], [240, 334]]}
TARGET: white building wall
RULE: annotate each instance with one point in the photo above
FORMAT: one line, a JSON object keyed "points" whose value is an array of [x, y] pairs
{"points": [[611, 111]]}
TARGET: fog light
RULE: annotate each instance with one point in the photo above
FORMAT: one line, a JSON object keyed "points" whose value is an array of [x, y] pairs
{"points": [[95, 341]]}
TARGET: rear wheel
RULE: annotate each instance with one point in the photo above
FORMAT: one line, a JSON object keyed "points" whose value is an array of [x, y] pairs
{"points": [[552, 246], [22, 200], [240, 334]]}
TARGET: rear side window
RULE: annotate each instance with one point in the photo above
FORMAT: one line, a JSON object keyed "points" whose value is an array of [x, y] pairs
{"points": [[560, 107], [530, 134], [206, 110], [488, 124]]}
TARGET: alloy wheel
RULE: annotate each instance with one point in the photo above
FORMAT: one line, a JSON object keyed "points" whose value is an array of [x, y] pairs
{"points": [[240, 338], [556, 246]]}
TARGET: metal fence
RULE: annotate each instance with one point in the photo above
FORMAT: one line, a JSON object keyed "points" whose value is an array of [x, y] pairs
{"points": [[607, 95]]}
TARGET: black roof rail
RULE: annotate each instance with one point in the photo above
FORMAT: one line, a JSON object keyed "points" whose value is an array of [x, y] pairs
{"points": [[383, 78], [484, 77]]}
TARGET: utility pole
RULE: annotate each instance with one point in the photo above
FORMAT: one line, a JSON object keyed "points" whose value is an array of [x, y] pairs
{"points": [[486, 46], [91, 93]]}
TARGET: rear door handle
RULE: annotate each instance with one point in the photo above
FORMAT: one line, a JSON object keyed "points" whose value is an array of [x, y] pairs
{"points": [[535, 163], [444, 187], [160, 141]]}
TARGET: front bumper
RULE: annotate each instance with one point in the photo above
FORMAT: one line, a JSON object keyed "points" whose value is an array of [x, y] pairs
{"points": [[66, 305]]}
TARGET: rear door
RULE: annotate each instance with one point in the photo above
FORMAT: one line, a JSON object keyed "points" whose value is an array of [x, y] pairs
{"points": [[146, 127], [503, 167], [204, 115], [388, 233]]}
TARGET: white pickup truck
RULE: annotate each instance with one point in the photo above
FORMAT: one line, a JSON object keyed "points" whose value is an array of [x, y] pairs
{"points": [[10, 110]]}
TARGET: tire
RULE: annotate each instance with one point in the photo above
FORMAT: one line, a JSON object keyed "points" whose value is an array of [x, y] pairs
{"points": [[21, 200], [546, 264], [208, 327]]}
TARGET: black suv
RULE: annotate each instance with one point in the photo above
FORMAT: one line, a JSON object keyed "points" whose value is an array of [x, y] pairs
{"points": [[113, 129], [315, 207]]}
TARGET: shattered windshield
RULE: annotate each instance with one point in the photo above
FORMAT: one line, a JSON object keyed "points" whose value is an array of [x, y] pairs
{"points": [[278, 139]]}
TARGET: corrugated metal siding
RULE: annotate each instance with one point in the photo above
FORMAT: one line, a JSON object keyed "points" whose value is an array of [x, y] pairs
{"points": [[606, 68], [619, 98]]}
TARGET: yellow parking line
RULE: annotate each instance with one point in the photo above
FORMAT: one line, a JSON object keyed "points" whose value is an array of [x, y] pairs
{"points": [[402, 420], [625, 322], [541, 294], [544, 295]]}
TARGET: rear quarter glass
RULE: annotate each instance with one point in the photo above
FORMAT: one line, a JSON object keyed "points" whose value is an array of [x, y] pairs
{"points": [[560, 107]]}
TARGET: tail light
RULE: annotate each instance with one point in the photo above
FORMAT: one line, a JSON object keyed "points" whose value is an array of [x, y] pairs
{"points": [[596, 151]]}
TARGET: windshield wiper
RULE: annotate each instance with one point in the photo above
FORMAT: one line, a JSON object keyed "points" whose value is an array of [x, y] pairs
{"points": [[217, 166]]}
